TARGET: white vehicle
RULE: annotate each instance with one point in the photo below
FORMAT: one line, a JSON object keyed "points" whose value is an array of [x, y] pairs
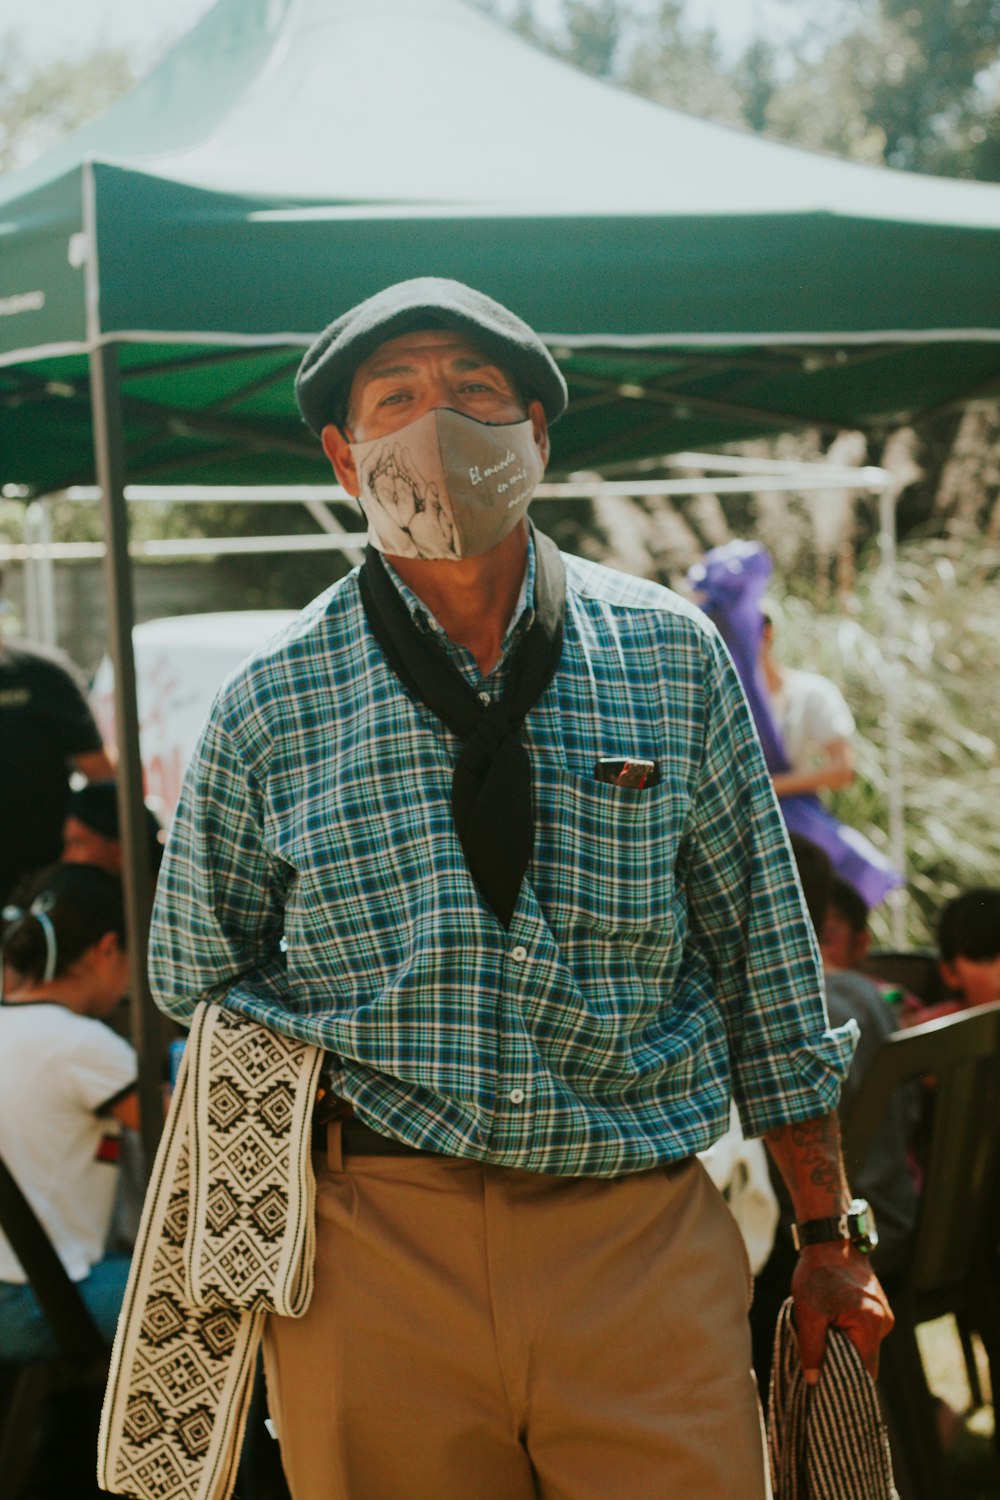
{"points": [[180, 664]]}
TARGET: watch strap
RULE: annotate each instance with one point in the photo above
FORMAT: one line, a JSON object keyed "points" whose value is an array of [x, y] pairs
{"points": [[855, 1225]]}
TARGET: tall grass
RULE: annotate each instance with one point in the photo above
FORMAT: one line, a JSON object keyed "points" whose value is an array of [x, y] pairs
{"points": [[947, 650]]}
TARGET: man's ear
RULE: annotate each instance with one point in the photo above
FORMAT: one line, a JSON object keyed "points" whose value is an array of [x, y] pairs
{"points": [[539, 430], [108, 945], [337, 448], [950, 975]]}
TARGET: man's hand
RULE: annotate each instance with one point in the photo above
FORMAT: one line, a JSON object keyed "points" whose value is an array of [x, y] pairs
{"points": [[833, 1284]]}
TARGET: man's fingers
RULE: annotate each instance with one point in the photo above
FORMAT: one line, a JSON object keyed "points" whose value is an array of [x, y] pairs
{"points": [[866, 1327], [811, 1329]]}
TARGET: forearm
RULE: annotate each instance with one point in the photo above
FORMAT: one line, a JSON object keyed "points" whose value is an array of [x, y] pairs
{"points": [[808, 1156], [833, 1283], [833, 773], [97, 765]]}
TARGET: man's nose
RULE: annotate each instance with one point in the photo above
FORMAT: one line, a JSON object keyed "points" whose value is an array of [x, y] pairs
{"points": [[441, 393]]}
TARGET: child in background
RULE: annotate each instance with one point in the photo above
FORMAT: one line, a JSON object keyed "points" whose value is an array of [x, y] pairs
{"points": [[844, 938], [969, 954], [66, 1083]]}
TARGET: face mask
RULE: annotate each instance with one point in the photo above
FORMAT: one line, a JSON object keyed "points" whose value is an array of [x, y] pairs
{"points": [[446, 486]]}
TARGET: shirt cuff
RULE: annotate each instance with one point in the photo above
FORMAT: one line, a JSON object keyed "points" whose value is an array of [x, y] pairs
{"points": [[800, 1082]]}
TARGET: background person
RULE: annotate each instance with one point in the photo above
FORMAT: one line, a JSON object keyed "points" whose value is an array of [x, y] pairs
{"points": [[67, 1083], [844, 937], [91, 835], [816, 725], [729, 585], [46, 731], [969, 955]]}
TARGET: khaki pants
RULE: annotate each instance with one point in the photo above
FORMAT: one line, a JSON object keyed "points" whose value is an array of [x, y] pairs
{"points": [[478, 1333]]}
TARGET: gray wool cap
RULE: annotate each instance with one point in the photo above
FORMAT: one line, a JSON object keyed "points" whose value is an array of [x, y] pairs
{"points": [[323, 382]]}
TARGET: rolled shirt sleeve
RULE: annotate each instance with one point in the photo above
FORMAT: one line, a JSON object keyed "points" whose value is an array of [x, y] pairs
{"points": [[747, 911], [217, 923]]}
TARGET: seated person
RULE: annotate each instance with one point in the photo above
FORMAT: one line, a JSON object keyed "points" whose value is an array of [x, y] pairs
{"points": [[67, 1084], [90, 832], [969, 955], [845, 942], [844, 938]]}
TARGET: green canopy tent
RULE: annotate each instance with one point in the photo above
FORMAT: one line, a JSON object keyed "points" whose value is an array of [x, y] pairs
{"points": [[291, 156], [161, 270]]}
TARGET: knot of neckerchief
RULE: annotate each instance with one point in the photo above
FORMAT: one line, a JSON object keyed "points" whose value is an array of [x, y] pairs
{"points": [[491, 787]]}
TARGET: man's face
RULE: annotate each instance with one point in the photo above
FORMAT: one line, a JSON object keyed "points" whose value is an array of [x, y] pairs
{"points": [[83, 846], [840, 945], [976, 980], [424, 371]]}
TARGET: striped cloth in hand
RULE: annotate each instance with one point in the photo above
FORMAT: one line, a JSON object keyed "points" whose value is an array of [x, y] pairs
{"points": [[827, 1441]]}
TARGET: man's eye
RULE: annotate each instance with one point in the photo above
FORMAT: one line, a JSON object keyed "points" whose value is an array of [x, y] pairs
{"points": [[394, 397]]}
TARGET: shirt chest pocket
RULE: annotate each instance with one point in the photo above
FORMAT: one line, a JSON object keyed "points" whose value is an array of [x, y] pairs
{"points": [[606, 856]]}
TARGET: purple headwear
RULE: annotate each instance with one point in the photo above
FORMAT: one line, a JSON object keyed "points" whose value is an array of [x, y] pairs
{"points": [[729, 583]]}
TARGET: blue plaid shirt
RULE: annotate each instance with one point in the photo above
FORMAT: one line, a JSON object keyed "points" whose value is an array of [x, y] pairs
{"points": [[659, 959]]}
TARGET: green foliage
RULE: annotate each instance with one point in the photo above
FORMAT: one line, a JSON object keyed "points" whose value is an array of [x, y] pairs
{"points": [[881, 81], [41, 102], [939, 103], [680, 64], [593, 33]]}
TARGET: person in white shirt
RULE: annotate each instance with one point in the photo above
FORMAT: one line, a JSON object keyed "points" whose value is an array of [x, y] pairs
{"points": [[67, 1084], [816, 725]]}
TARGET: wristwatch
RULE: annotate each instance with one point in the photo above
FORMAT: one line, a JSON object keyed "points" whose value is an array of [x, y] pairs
{"points": [[856, 1224]]}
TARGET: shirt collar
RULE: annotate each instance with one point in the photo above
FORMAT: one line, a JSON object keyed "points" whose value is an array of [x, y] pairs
{"points": [[524, 609]]}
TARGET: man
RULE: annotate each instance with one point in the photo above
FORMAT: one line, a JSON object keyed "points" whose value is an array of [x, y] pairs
{"points": [[46, 730], [491, 826]]}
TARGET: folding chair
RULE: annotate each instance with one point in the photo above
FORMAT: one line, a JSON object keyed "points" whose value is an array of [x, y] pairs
{"points": [[83, 1354], [953, 1261]]}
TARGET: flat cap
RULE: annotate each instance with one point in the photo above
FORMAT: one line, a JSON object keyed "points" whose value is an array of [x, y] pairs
{"points": [[323, 382]]}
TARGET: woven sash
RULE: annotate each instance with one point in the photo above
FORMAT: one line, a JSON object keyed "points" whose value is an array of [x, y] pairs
{"points": [[227, 1236], [826, 1441]]}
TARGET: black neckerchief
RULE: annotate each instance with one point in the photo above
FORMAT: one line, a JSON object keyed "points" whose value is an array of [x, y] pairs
{"points": [[491, 787]]}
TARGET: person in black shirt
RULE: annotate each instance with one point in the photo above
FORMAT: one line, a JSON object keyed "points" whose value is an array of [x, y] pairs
{"points": [[46, 731]]}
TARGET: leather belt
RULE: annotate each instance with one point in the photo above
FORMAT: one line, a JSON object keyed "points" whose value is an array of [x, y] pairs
{"points": [[358, 1139]]}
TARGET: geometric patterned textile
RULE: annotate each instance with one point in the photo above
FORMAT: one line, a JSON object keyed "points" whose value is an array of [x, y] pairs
{"points": [[825, 1441], [227, 1236]]}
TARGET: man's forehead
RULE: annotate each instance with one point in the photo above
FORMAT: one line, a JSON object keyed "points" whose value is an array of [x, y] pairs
{"points": [[410, 349]]}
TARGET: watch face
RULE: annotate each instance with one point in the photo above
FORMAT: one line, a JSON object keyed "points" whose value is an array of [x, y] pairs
{"points": [[861, 1226]]}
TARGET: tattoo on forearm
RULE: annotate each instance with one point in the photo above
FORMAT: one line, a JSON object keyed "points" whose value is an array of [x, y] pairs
{"points": [[819, 1143], [808, 1153]]}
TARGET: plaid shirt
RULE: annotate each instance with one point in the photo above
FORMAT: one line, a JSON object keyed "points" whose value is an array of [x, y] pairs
{"points": [[659, 958]]}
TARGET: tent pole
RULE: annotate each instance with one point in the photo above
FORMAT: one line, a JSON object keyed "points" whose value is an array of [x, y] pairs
{"points": [[43, 624], [892, 624], [109, 454]]}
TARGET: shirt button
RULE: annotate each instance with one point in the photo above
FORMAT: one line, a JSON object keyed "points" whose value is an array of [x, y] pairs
{"points": [[516, 1096], [483, 697], [519, 954]]}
